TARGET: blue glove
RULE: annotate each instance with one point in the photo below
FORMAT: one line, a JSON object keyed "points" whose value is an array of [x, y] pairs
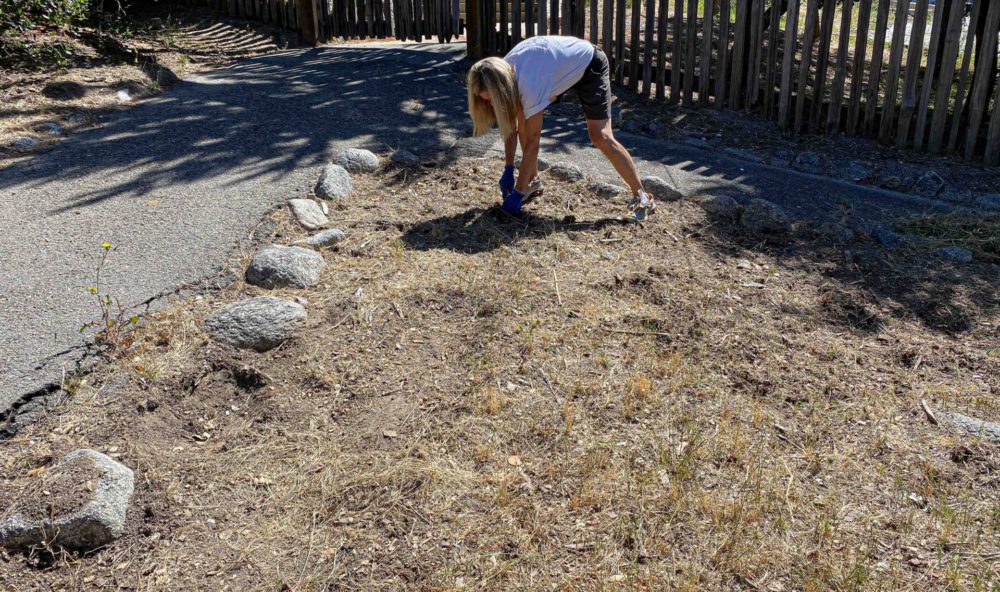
{"points": [[507, 181], [512, 203]]}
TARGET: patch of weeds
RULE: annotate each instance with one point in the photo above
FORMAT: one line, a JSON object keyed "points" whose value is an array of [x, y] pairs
{"points": [[115, 327], [978, 233]]}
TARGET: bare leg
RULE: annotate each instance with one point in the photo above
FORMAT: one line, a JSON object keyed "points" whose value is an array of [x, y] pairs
{"points": [[604, 140]]}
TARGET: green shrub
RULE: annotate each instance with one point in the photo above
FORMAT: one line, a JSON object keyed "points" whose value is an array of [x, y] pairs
{"points": [[17, 16]]}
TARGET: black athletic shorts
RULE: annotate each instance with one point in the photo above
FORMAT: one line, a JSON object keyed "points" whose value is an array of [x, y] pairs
{"points": [[594, 89]]}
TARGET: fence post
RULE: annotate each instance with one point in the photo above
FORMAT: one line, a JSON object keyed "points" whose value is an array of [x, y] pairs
{"points": [[309, 22], [473, 40]]}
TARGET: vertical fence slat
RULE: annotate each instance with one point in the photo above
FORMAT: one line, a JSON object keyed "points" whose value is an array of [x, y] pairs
{"points": [[981, 81], [992, 154], [937, 35], [739, 55], [690, 52], [771, 61], [722, 67], [963, 79], [516, 22], [620, 41], [554, 17], [633, 53], [952, 39], [806, 63], [593, 22], [878, 56], [565, 22], [503, 44], [858, 74], [542, 22], [787, 61], [822, 62], [840, 76], [661, 51], [892, 75], [647, 50], [678, 52], [756, 47], [705, 70], [913, 61], [606, 27]]}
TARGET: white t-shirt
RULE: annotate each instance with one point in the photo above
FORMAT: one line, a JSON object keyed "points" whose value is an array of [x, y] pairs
{"points": [[547, 66]]}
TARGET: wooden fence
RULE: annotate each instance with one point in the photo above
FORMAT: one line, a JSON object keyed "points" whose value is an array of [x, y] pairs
{"points": [[326, 20], [919, 74]]}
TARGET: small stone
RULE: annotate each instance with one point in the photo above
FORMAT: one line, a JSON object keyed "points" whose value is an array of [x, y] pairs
{"points": [[156, 24], [566, 172], [890, 182], [259, 323], [652, 128], [987, 430], [742, 154], [326, 238], [99, 521], [543, 163], [957, 196], [124, 96], [284, 267], [334, 182], [929, 184], [954, 254], [763, 217], [404, 158], [782, 156], [606, 190], [356, 160], [721, 207], [990, 201], [852, 171], [886, 237], [630, 125], [309, 213], [52, 129], [660, 189], [609, 255], [25, 142], [809, 162]]}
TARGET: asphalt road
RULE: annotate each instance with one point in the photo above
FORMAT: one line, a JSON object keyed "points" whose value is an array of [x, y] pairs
{"points": [[177, 182]]}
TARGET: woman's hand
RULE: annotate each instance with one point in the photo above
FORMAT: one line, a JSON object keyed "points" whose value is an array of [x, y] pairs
{"points": [[507, 181]]}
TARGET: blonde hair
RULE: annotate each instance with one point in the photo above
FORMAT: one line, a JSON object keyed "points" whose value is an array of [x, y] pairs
{"points": [[496, 77]]}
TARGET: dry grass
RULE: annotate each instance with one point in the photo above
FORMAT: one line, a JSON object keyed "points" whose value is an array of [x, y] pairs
{"points": [[551, 403]]}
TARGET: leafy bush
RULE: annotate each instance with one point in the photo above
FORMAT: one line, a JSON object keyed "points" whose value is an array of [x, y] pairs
{"points": [[17, 16]]}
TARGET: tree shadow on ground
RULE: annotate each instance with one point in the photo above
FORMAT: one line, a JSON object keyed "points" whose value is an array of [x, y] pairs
{"points": [[870, 284], [258, 121], [479, 230]]}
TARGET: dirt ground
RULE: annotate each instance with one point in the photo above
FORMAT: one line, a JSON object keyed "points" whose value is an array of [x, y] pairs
{"points": [[110, 72], [556, 402]]}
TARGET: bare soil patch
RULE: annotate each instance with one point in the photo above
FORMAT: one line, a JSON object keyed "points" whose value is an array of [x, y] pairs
{"points": [[556, 401]]}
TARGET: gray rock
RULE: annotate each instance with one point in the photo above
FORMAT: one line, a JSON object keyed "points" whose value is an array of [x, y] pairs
{"points": [[334, 182], [987, 430], [929, 184], [100, 521], [309, 213], [566, 172], [357, 160], [601, 189], [660, 189], [809, 162], [156, 24], [473, 146], [989, 201], [25, 142], [742, 154], [782, 156], [721, 207], [954, 254], [52, 129], [284, 267], [543, 163], [630, 125], [404, 158], [765, 218], [259, 323], [652, 128], [958, 196], [890, 182], [852, 171], [326, 238], [886, 237]]}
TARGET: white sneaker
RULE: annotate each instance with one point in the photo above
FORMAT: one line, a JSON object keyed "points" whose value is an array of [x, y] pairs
{"points": [[640, 207]]}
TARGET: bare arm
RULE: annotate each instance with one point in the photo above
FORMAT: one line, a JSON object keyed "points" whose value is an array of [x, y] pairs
{"points": [[510, 148], [529, 132]]}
